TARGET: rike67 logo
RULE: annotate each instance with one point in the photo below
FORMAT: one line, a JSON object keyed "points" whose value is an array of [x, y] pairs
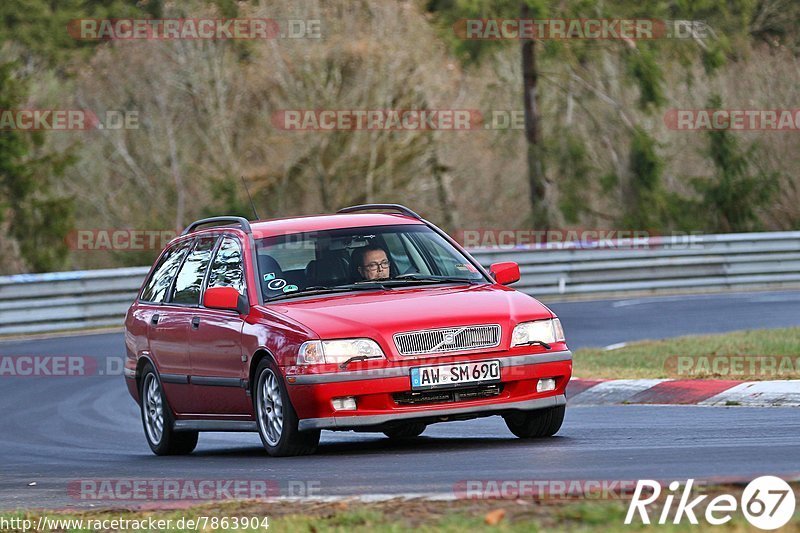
{"points": [[767, 503]]}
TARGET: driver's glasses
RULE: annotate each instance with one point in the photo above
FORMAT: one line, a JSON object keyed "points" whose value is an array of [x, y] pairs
{"points": [[374, 266]]}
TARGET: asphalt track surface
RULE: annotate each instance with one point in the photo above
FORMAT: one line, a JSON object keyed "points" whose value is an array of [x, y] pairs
{"points": [[55, 432]]}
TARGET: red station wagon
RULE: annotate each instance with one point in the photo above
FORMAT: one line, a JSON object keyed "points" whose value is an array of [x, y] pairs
{"points": [[353, 321]]}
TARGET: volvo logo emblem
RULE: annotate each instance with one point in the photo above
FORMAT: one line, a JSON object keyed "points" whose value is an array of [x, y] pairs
{"points": [[449, 338]]}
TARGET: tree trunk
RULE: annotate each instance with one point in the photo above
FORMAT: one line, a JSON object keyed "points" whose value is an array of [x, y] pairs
{"points": [[443, 193], [540, 211]]}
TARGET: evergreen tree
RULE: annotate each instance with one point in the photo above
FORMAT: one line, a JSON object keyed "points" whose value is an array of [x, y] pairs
{"points": [[37, 219]]}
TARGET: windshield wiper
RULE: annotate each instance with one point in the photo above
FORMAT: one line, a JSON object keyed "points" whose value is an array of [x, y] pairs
{"points": [[321, 289], [414, 277], [383, 284]]}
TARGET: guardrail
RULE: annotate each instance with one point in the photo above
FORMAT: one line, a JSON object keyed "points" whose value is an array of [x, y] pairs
{"points": [[701, 262], [31, 303]]}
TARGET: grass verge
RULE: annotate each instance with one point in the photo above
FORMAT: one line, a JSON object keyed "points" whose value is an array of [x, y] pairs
{"points": [[742, 355], [416, 515]]}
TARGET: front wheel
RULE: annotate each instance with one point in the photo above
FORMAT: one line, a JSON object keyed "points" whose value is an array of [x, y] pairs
{"points": [[158, 421], [276, 418], [536, 424]]}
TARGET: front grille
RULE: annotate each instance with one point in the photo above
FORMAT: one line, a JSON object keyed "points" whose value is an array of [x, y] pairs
{"points": [[445, 340], [447, 396]]}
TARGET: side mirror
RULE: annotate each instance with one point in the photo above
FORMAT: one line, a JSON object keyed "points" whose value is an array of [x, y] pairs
{"points": [[505, 273], [226, 298]]}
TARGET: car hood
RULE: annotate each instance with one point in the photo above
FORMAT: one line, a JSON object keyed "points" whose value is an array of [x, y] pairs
{"points": [[381, 314]]}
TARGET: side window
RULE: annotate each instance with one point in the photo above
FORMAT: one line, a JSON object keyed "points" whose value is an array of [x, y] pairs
{"points": [[227, 269], [190, 277], [156, 287], [445, 263]]}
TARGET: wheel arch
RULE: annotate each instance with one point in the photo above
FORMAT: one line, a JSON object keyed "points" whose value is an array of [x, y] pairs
{"points": [[258, 356], [140, 364]]}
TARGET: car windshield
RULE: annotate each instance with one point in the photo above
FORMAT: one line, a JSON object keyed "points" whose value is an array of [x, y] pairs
{"points": [[363, 258]]}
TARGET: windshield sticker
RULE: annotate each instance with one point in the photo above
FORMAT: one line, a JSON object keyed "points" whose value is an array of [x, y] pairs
{"points": [[466, 267], [290, 288], [269, 276], [276, 284]]}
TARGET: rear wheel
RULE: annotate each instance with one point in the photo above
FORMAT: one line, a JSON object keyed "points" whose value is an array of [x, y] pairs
{"points": [[276, 419], [158, 421], [406, 431], [536, 424]]}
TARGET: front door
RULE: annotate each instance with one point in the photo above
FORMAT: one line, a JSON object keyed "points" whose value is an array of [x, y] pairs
{"points": [[219, 373]]}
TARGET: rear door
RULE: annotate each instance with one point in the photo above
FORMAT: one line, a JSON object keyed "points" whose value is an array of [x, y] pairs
{"points": [[218, 370]]}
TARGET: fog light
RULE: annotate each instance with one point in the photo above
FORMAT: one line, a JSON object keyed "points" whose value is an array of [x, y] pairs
{"points": [[545, 385], [344, 404]]}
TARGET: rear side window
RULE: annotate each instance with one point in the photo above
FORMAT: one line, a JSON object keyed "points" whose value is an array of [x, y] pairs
{"points": [[227, 269], [189, 280], [156, 287]]}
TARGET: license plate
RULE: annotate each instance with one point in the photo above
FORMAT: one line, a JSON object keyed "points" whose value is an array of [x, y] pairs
{"points": [[454, 375]]}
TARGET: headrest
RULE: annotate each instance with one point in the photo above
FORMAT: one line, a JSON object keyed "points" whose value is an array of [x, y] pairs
{"points": [[330, 270], [267, 265]]}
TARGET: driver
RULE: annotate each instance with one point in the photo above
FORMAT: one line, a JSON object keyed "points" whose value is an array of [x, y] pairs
{"points": [[374, 263]]}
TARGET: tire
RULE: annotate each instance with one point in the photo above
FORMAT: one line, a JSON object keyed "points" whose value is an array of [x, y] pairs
{"points": [[157, 419], [406, 431], [536, 424], [275, 416]]}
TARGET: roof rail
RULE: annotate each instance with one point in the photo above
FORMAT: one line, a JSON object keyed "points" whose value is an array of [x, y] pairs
{"points": [[386, 207], [243, 223]]}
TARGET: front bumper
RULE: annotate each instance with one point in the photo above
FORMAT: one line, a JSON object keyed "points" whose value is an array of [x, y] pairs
{"points": [[430, 416], [375, 392]]}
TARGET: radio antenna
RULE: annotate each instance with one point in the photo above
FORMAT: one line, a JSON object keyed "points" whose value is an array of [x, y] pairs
{"points": [[251, 199]]}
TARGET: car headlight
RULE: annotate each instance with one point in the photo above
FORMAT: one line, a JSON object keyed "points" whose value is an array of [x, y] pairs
{"points": [[546, 331], [337, 351]]}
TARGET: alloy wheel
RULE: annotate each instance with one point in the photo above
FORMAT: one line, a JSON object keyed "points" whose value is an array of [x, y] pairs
{"points": [[270, 407], [153, 409]]}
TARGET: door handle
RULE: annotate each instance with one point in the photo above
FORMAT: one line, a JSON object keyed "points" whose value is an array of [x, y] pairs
{"points": [[195, 322], [154, 319]]}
